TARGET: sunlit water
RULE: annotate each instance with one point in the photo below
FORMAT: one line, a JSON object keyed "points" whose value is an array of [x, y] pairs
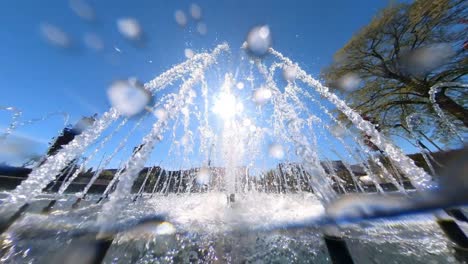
{"points": [[205, 228], [208, 227]]}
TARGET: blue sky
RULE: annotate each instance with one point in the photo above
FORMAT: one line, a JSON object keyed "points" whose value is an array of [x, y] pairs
{"points": [[39, 78]]}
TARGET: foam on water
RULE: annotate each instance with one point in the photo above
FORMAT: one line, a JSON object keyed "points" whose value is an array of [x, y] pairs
{"points": [[205, 227]]}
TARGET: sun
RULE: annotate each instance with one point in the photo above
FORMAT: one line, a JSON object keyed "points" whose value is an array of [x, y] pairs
{"points": [[226, 106]]}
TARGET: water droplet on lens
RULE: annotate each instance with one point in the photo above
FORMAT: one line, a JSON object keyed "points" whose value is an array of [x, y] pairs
{"points": [[290, 73], [262, 95], [195, 11], [129, 28], [414, 121], [203, 176], [165, 228], [428, 58], [83, 124], [55, 35], [240, 85], [349, 82], [180, 18], [82, 9], [202, 28], [161, 114], [128, 97], [276, 151], [259, 40], [188, 53], [366, 179], [14, 150], [337, 131], [93, 42]]}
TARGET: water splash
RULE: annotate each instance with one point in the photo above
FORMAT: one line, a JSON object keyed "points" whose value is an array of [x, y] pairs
{"points": [[15, 115], [84, 164], [419, 178], [42, 175], [137, 161], [432, 95]]}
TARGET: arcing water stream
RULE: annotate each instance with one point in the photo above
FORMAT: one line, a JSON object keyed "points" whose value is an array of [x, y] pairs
{"points": [[220, 143]]}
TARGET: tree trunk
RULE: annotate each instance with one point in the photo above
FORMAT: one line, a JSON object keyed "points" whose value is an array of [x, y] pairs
{"points": [[449, 105]]}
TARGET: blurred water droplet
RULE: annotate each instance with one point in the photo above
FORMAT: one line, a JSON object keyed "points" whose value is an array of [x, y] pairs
{"points": [[276, 151], [349, 82], [165, 228], [240, 85], [203, 176], [188, 53], [337, 131], [128, 97], [93, 42], [75, 252], [202, 28], [161, 114], [366, 179], [195, 11], [117, 49], [180, 18], [290, 73], [83, 124], [426, 59], [262, 95], [414, 121], [15, 150], [129, 28], [259, 40], [82, 9], [55, 36]]}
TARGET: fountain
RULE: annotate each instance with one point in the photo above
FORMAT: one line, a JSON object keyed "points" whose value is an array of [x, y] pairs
{"points": [[216, 196]]}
